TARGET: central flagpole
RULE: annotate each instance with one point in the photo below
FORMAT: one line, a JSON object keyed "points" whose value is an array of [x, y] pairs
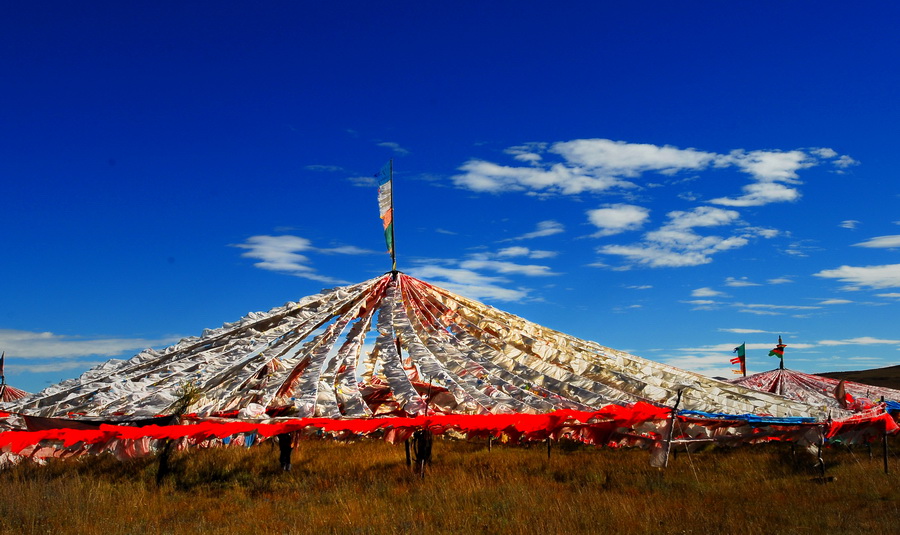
{"points": [[393, 241]]}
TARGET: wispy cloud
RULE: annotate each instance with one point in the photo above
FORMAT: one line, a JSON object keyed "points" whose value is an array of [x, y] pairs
{"points": [[877, 277], [28, 344], [469, 283], [56, 366], [394, 147], [861, 341], [850, 224], [835, 302], [325, 168], [544, 228], [283, 254], [739, 282], [744, 331], [517, 251], [706, 292], [881, 242], [531, 270]]}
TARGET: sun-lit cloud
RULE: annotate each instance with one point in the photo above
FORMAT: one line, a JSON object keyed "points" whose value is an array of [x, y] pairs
{"points": [[744, 331], [54, 367], [739, 282], [29, 344], [764, 306], [517, 251], [325, 168], [675, 244], [881, 242], [775, 174], [780, 280], [860, 341], [877, 277], [850, 224], [706, 292], [603, 165], [544, 228], [531, 270], [394, 147], [617, 218], [283, 254], [835, 302], [619, 158], [469, 283]]}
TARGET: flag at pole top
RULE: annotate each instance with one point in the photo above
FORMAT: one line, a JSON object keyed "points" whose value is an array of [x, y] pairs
{"points": [[741, 359], [778, 351], [385, 178]]}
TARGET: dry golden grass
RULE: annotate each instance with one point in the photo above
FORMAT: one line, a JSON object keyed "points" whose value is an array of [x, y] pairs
{"points": [[365, 487]]}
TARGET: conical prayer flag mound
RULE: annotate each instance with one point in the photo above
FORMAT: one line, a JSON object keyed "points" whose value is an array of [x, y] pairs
{"points": [[429, 351]]}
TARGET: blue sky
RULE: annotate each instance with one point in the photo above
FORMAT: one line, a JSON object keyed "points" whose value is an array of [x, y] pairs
{"points": [[667, 179]]}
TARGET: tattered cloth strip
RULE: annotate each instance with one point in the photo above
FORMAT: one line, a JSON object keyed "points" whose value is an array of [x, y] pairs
{"points": [[526, 426], [881, 422]]}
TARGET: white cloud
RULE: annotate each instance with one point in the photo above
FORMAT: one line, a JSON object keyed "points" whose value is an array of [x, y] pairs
{"points": [[835, 302], [777, 307], [630, 159], [676, 245], [850, 224], [770, 166], [544, 228], [282, 254], [892, 294], [862, 341], [706, 292], [702, 216], [57, 366], [601, 165], [526, 252], [845, 161], [780, 280], [881, 242], [739, 283], [824, 152], [480, 175], [617, 218], [640, 287], [469, 283], [28, 344], [771, 170], [394, 147], [759, 194], [877, 277], [745, 331], [326, 168], [530, 270]]}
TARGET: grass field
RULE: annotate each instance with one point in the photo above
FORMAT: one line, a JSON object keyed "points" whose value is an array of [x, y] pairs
{"points": [[365, 487]]}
